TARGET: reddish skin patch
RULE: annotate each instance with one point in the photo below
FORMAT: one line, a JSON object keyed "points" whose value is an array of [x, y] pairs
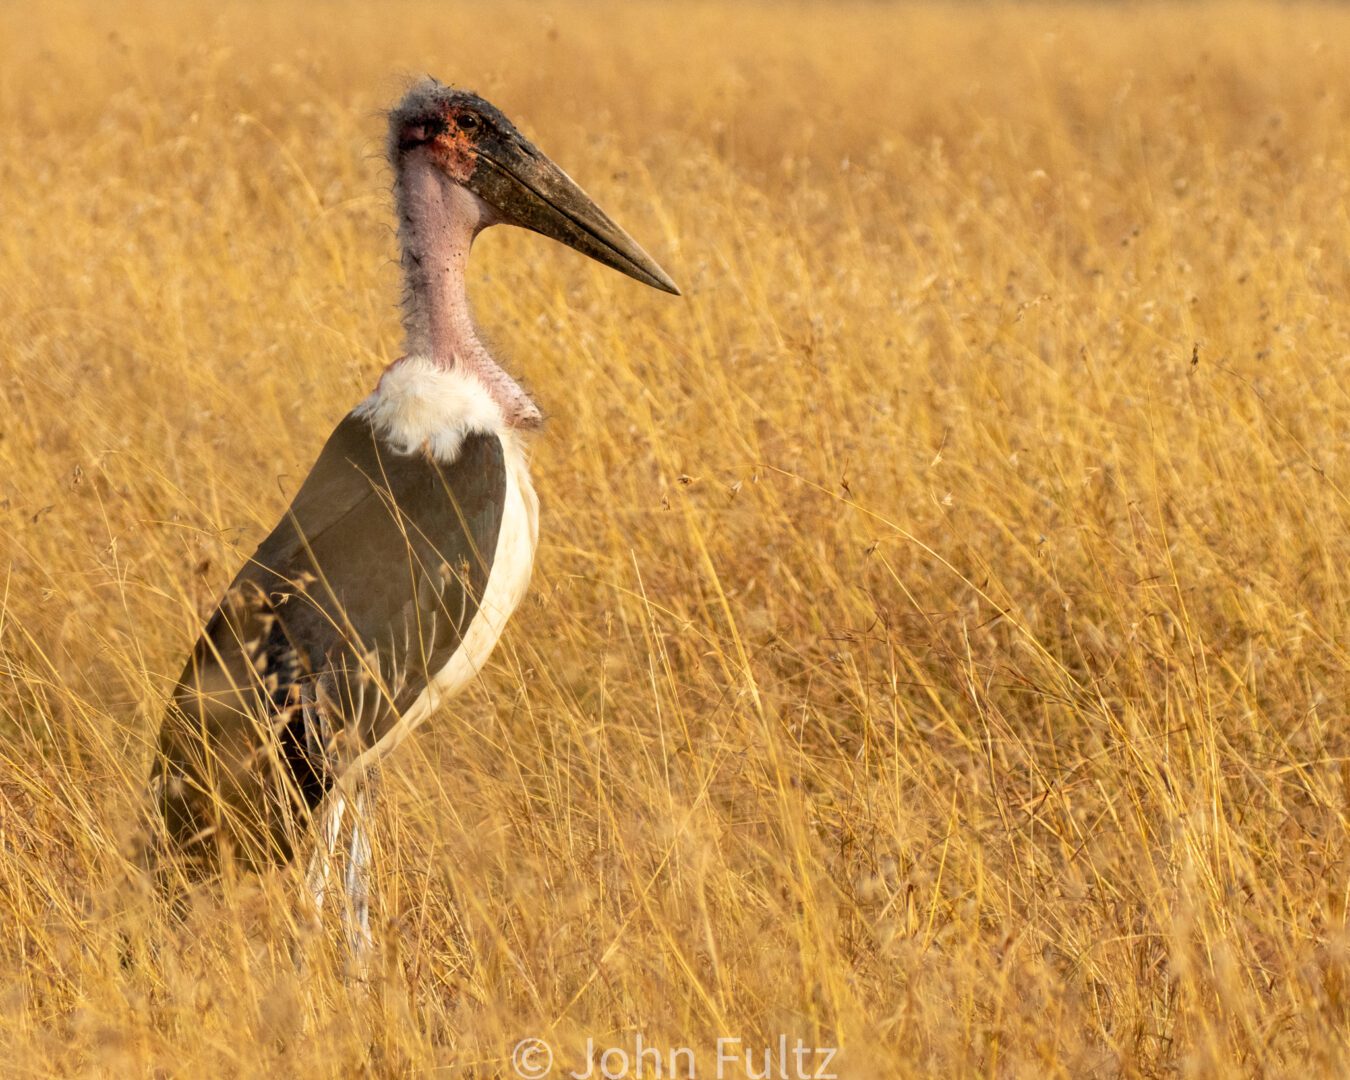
{"points": [[454, 150]]}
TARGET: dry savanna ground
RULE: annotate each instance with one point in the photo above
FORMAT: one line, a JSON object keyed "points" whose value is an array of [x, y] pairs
{"points": [[937, 646]]}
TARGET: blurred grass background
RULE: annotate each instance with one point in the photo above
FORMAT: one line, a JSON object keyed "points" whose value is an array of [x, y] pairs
{"points": [[937, 645]]}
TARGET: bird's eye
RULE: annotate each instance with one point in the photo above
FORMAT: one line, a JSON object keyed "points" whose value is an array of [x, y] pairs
{"points": [[467, 121]]}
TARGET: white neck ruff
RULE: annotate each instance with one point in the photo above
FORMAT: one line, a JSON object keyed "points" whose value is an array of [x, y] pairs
{"points": [[422, 407]]}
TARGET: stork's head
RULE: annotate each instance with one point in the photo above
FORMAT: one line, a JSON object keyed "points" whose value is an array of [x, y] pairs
{"points": [[476, 147]]}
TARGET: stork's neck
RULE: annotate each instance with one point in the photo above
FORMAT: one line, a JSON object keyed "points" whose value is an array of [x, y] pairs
{"points": [[438, 220]]}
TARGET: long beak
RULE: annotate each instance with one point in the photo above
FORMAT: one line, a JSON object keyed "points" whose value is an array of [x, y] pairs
{"points": [[529, 190]]}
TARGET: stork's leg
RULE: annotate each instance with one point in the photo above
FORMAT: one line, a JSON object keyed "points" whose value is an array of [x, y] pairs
{"points": [[321, 862], [359, 870], [319, 752]]}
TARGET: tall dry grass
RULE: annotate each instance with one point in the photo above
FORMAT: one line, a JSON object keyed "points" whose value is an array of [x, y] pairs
{"points": [[937, 648]]}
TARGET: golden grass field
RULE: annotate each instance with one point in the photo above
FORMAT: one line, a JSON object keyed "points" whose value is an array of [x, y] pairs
{"points": [[937, 648]]}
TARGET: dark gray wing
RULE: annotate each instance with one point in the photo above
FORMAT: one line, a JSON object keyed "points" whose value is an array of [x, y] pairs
{"points": [[360, 594], [387, 552]]}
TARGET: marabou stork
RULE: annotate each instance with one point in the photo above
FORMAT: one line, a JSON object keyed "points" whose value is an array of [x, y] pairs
{"points": [[385, 586]]}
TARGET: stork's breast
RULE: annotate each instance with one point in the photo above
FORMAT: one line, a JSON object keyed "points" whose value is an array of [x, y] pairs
{"points": [[508, 580]]}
